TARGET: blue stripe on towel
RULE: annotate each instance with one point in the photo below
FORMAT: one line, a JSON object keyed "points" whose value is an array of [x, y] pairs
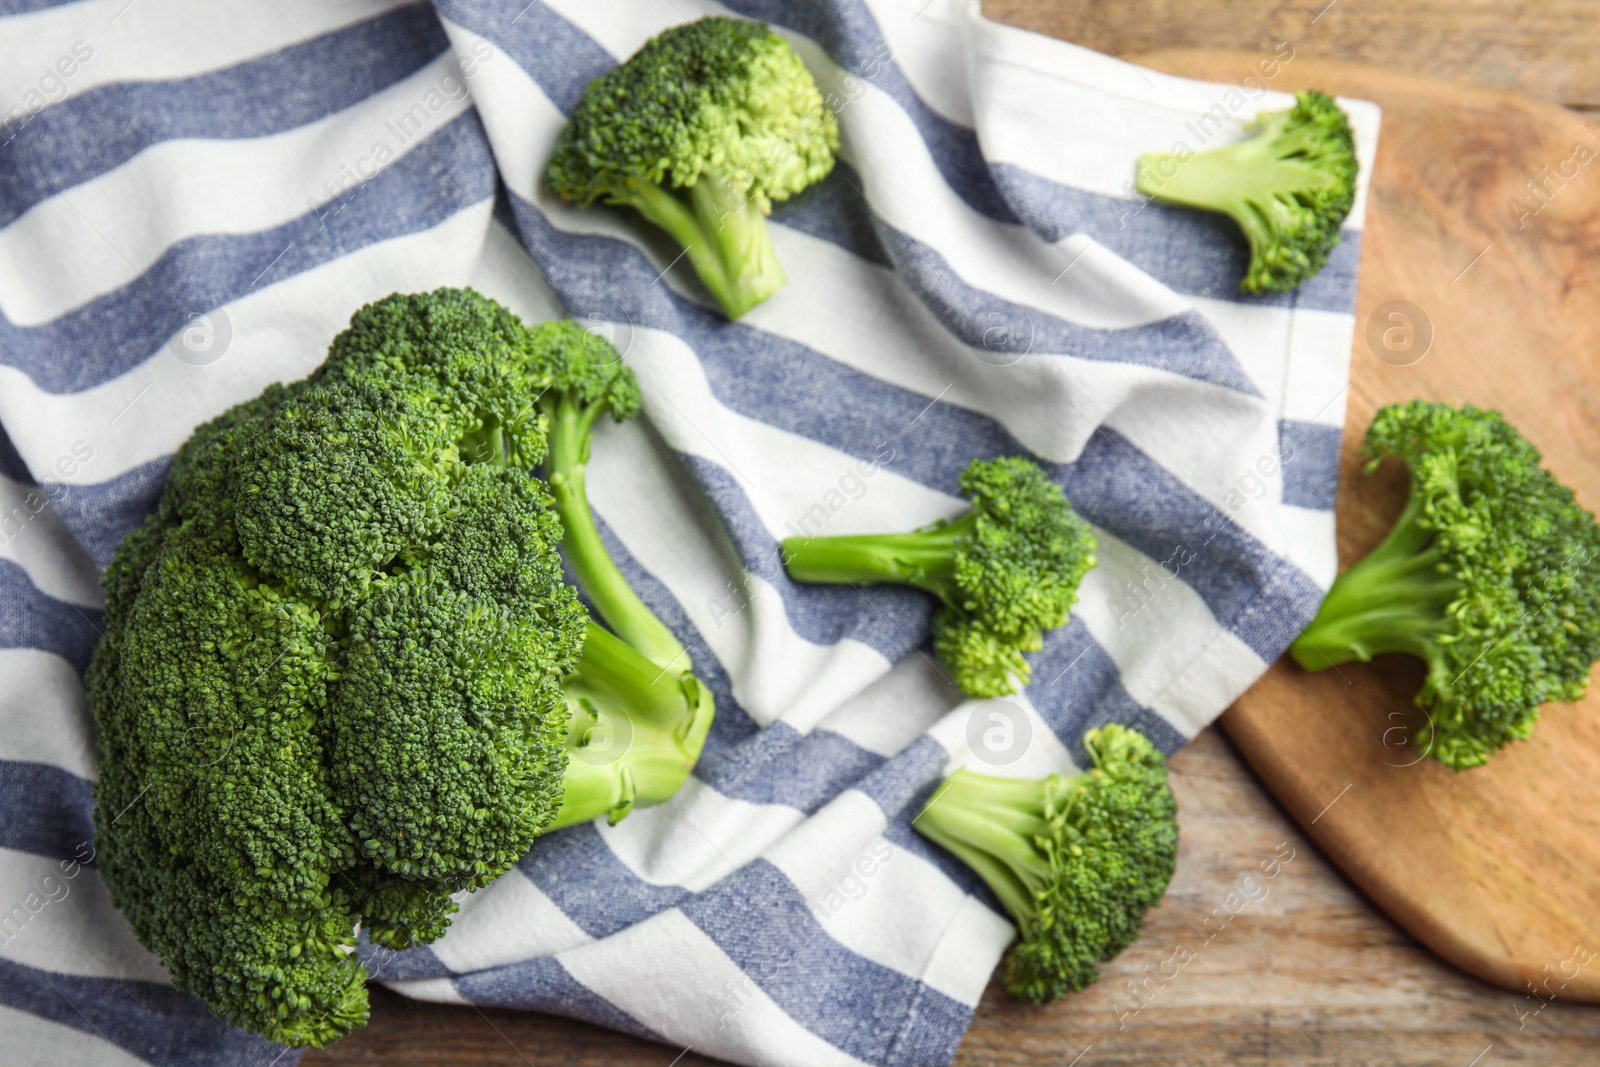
{"points": [[447, 173], [156, 1023], [47, 811], [87, 135], [32, 619]]}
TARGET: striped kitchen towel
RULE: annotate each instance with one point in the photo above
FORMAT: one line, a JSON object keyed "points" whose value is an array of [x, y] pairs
{"points": [[194, 197]]}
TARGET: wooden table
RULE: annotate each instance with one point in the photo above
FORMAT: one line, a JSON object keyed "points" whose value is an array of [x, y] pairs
{"points": [[1290, 965]]}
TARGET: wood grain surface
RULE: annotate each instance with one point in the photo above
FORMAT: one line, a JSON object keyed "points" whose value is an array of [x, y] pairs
{"points": [[1298, 969], [1473, 300], [1543, 49]]}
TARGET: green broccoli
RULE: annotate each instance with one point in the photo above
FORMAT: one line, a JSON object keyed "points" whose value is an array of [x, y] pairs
{"points": [[583, 377], [1004, 572], [587, 380], [1076, 861], [1289, 187], [700, 132], [342, 677], [1488, 576]]}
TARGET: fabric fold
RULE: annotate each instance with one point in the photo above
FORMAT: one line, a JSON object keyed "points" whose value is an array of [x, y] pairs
{"points": [[976, 278]]}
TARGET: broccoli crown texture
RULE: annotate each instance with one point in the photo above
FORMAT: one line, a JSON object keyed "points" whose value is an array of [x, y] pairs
{"points": [[1076, 861], [700, 131], [1489, 576], [1289, 186], [720, 96], [338, 669], [1005, 571], [585, 373]]}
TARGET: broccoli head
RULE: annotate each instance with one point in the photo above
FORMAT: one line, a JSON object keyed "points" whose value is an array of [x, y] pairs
{"points": [[1077, 861], [343, 679], [1004, 572], [1488, 576], [700, 132], [1289, 186]]}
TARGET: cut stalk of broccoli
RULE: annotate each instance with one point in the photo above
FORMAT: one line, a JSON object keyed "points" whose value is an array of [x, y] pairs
{"points": [[635, 733], [343, 679], [1289, 186], [635, 685], [701, 131], [1489, 576], [1004, 572], [723, 232], [1077, 862]]}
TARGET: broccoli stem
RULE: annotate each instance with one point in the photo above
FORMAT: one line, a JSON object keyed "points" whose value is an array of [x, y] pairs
{"points": [[485, 445], [571, 426], [723, 232], [634, 735], [1246, 180], [1393, 600], [924, 558], [1242, 181], [991, 824]]}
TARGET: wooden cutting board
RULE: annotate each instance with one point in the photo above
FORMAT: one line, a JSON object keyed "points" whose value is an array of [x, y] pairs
{"points": [[1498, 283]]}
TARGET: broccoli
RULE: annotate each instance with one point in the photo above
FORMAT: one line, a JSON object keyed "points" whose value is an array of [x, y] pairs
{"points": [[583, 377], [342, 677], [587, 380], [1004, 572], [1289, 187], [700, 132], [1076, 861], [1488, 576]]}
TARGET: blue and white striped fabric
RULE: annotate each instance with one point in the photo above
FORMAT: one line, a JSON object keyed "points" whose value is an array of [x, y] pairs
{"points": [[195, 196]]}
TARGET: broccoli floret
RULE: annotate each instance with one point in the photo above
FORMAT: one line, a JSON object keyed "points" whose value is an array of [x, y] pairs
{"points": [[1488, 576], [1076, 861], [457, 356], [342, 677], [1004, 572], [700, 132], [587, 379], [1289, 187], [584, 378]]}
